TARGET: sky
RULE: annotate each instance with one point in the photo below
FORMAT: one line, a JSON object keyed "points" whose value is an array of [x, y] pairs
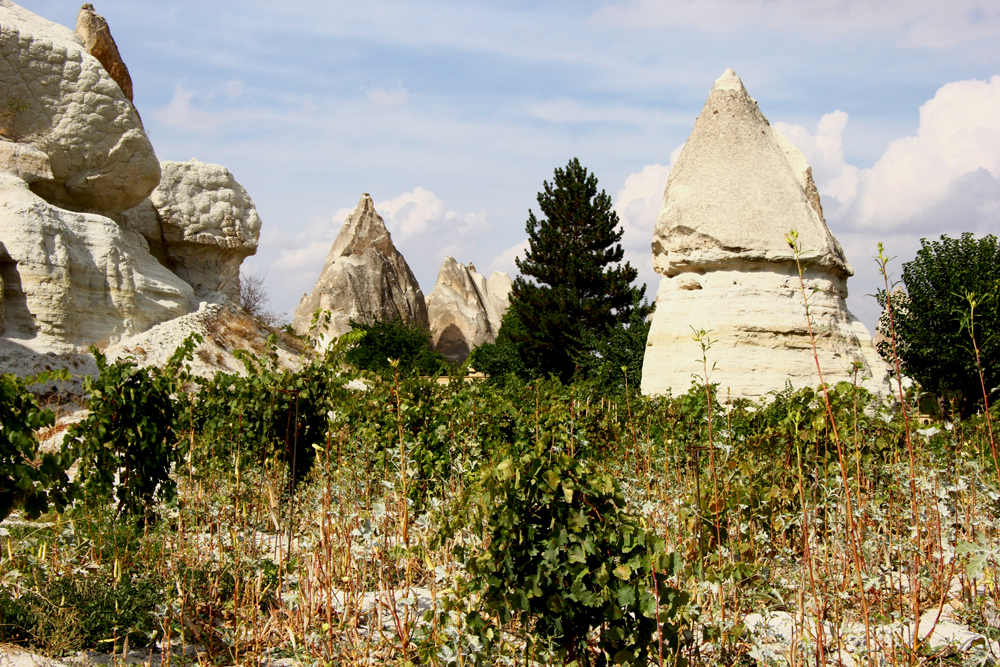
{"points": [[452, 114]]}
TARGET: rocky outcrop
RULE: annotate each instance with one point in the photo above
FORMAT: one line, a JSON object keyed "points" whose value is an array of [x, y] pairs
{"points": [[201, 223], [734, 194], [73, 157], [364, 278], [78, 278], [93, 30], [60, 100], [465, 308]]}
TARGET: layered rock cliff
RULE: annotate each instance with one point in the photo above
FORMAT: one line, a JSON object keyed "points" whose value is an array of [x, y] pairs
{"points": [[737, 189], [465, 308], [364, 278]]}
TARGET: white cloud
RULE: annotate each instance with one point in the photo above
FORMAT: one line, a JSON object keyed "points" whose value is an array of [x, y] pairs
{"points": [[411, 212], [505, 261], [943, 180], [824, 151], [388, 98], [955, 157], [638, 205], [922, 23], [181, 113]]}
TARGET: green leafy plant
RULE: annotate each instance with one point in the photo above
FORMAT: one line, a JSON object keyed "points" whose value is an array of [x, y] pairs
{"points": [[132, 436], [29, 480], [386, 340], [932, 347], [565, 559]]}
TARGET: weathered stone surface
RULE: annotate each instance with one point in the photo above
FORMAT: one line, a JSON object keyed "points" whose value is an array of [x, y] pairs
{"points": [[201, 223], [734, 194], [60, 100], [78, 278], [27, 163], [93, 29], [364, 278], [465, 308]]}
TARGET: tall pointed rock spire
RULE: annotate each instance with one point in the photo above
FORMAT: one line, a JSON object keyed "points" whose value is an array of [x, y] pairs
{"points": [[736, 191], [364, 278]]}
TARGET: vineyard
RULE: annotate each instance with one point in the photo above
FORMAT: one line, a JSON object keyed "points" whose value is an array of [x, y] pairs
{"points": [[334, 516]]}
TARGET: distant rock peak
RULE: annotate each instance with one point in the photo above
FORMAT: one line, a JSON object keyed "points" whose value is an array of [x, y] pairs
{"points": [[465, 309], [364, 278]]}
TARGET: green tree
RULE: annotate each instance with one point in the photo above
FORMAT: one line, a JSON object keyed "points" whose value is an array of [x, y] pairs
{"points": [[394, 339], [934, 346], [580, 290]]}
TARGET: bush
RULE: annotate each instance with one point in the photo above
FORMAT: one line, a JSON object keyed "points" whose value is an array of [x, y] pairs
{"points": [[28, 481], [934, 346], [564, 558], [96, 612], [395, 339], [270, 414], [131, 438]]}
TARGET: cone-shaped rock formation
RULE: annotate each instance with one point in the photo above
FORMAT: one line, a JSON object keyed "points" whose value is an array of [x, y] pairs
{"points": [[465, 308], [737, 189], [364, 278]]}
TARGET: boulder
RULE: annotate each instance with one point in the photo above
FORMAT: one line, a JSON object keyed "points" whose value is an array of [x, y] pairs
{"points": [[465, 308], [93, 30], [737, 190], [364, 278], [201, 223], [60, 100]]}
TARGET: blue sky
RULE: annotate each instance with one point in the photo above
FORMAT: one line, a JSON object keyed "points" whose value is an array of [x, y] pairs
{"points": [[451, 114]]}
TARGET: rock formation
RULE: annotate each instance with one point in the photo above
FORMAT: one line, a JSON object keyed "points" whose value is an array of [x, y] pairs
{"points": [[60, 100], [734, 194], [73, 155], [93, 30], [364, 278], [201, 223], [465, 308], [74, 165]]}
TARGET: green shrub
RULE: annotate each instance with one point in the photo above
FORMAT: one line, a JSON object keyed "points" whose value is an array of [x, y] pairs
{"points": [[270, 414], [395, 339], [132, 436], [28, 481], [78, 612], [564, 558]]}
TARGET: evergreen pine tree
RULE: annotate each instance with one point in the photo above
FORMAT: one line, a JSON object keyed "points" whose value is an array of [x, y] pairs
{"points": [[580, 289]]}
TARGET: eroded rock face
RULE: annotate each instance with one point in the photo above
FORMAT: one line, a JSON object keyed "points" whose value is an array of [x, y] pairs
{"points": [[364, 278], [734, 194], [78, 278], [93, 30], [60, 100], [72, 157], [201, 223], [465, 308]]}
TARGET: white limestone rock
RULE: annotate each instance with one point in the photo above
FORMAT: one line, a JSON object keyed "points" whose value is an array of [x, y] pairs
{"points": [[201, 223], [465, 308], [734, 194], [74, 279], [364, 278], [60, 100]]}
